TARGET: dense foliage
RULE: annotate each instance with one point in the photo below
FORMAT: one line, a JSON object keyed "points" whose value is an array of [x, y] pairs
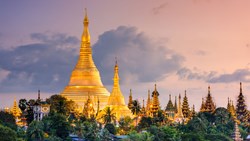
{"points": [[63, 121]]}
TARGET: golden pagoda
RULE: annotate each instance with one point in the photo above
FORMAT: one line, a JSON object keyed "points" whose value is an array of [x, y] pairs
{"points": [[15, 110], [116, 100], [209, 104], [85, 78], [155, 102]]}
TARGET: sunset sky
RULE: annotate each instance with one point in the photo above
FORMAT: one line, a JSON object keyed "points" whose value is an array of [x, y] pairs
{"points": [[177, 44]]}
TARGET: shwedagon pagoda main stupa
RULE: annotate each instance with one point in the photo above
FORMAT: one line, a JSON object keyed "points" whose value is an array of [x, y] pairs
{"points": [[85, 79]]}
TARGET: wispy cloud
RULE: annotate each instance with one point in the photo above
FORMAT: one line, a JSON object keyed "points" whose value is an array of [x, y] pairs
{"points": [[158, 9], [242, 75], [238, 75]]}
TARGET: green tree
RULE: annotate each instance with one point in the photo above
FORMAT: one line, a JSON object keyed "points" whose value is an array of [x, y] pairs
{"points": [[108, 115], [30, 114], [196, 125], [164, 133], [35, 131], [136, 107], [91, 131], [58, 125], [217, 137], [160, 118], [222, 116], [60, 104], [22, 104], [111, 128], [54, 138], [105, 135], [145, 122], [144, 136], [7, 134], [124, 125], [192, 137], [8, 120]]}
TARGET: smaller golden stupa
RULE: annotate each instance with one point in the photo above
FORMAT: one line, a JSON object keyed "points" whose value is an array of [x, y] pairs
{"points": [[15, 110], [116, 99]]}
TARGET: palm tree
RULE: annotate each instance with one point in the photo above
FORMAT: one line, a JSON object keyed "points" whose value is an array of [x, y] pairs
{"points": [[108, 115], [35, 131], [136, 107]]}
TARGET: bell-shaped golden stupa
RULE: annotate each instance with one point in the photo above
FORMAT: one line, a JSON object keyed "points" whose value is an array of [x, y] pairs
{"points": [[85, 79]]}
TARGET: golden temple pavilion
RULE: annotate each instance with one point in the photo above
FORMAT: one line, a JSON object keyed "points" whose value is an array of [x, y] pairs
{"points": [[85, 79]]}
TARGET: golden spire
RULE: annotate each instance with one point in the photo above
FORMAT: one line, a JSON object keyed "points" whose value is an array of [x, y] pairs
{"points": [[209, 90], [116, 97], [85, 34], [85, 59], [169, 97], [116, 76]]}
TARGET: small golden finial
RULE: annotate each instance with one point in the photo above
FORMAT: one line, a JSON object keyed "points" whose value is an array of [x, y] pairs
{"points": [[170, 97], [209, 89], [185, 92]]}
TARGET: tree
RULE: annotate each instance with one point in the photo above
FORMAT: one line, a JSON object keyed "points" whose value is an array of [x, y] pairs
{"points": [[196, 125], [22, 104], [144, 136], [108, 115], [8, 120], [222, 116], [145, 122], [30, 114], [192, 137], [35, 131], [217, 137], [91, 131], [111, 128], [164, 133], [60, 104], [58, 125], [7, 134], [136, 107], [124, 125], [105, 135], [159, 118]]}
